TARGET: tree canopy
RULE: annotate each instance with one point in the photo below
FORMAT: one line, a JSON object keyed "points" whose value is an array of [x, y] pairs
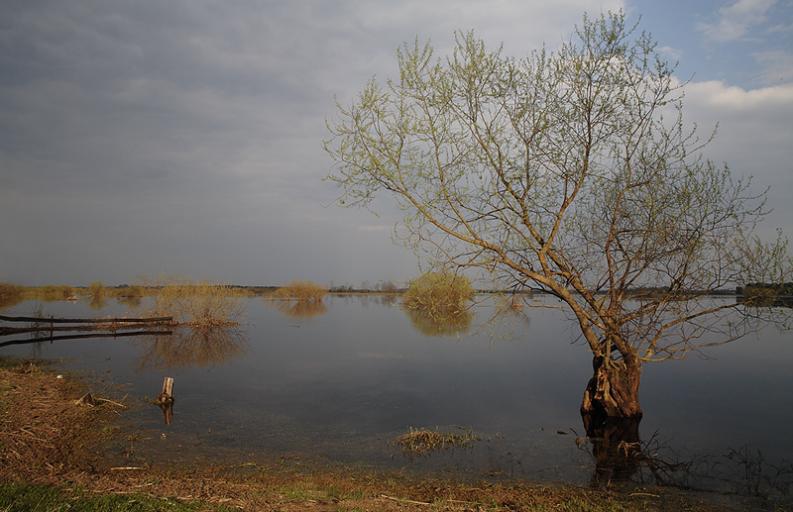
{"points": [[574, 172]]}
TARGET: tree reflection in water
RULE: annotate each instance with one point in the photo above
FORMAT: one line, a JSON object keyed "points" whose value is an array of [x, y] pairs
{"points": [[439, 324], [192, 347], [622, 458]]}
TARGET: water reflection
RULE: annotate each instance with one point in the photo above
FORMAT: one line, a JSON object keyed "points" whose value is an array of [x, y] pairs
{"points": [[97, 302], [192, 347], [452, 324], [301, 308], [622, 458], [616, 448], [772, 301], [343, 388], [131, 301]]}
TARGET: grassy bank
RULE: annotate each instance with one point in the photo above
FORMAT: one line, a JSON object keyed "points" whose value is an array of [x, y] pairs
{"points": [[45, 498], [55, 456]]}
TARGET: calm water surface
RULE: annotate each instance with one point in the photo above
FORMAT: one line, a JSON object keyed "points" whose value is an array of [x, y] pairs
{"points": [[340, 382]]}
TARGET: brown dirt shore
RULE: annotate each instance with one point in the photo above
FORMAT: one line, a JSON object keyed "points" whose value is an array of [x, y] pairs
{"points": [[49, 436]]}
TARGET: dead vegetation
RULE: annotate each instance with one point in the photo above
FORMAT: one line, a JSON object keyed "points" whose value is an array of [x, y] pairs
{"points": [[421, 441], [50, 425], [11, 294]]}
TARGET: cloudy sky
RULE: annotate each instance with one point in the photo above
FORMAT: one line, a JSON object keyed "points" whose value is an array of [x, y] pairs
{"points": [[184, 137]]}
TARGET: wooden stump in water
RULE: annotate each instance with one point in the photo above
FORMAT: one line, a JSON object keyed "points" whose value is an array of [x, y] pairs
{"points": [[167, 391], [165, 399]]}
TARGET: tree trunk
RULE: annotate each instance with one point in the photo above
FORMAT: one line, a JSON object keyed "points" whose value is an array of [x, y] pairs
{"points": [[613, 392]]}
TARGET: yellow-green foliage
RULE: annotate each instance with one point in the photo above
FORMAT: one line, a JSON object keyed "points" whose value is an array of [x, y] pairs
{"points": [[301, 290], [199, 305], [439, 293]]}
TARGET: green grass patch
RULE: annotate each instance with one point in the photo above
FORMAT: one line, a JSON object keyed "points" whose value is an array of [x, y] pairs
{"points": [[42, 498]]}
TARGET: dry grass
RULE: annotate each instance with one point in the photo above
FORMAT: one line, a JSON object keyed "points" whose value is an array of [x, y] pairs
{"points": [[420, 441], [97, 291], [438, 293], [45, 429], [305, 291], [10, 294], [198, 305]]}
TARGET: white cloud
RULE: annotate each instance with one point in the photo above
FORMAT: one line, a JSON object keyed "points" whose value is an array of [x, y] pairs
{"points": [[733, 99], [754, 138], [736, 19]]}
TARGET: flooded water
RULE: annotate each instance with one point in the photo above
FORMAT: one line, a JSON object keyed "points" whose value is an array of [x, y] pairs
{"points": [[339, 381]]}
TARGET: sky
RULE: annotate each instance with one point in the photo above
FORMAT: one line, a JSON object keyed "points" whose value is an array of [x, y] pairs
{"points": [[184, 138]]}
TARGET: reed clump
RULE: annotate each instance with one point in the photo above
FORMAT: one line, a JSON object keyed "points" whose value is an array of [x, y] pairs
{"points": [[420, 441], [10, 294], [439, 294], [97, 291], [48, 293], [198, 305], [304, 291]]}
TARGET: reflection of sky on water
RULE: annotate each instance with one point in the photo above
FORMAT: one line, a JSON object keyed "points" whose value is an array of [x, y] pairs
{"points": [[342, 384]]}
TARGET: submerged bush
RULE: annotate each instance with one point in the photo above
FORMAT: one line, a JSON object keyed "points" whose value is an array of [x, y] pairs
{"points": [[97, 292], [198, 305], [439, 294], [306, 291]]}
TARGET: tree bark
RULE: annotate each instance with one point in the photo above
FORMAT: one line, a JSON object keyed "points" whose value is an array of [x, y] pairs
{"points": [[613, 391]]}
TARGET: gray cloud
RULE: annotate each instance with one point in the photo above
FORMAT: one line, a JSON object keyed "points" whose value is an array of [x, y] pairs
{"points": [[184, 137]]}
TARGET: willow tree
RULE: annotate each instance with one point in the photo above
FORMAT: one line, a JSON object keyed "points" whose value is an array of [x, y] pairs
{"points": [[572, 172]]}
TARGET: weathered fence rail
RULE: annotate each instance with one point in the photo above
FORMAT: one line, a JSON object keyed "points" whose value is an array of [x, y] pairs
{"points": [[103, 327], [45, 320], [84, 336]]}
